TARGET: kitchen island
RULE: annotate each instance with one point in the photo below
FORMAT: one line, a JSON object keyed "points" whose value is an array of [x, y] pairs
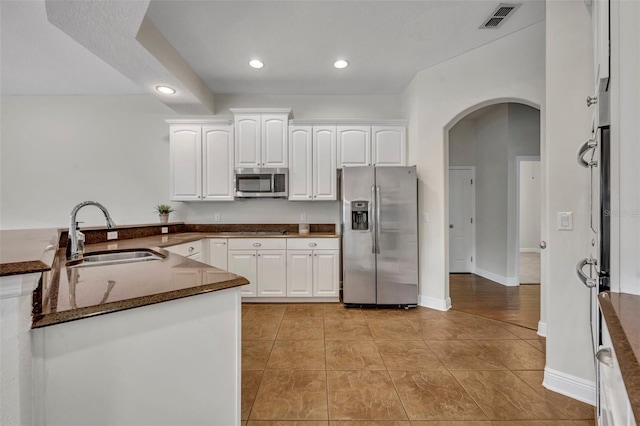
{"points": [[146, 342]]}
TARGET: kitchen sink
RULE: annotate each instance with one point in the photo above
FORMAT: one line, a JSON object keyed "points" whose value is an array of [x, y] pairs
{"points": [[110, 257]]}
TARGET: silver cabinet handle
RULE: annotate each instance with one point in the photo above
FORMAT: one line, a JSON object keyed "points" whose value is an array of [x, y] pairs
{"points": [[191, 249], [592, 100], [372, 219], [313, 244], [605, 356], [589, 282], [378, 202], [257, 244], [543, 245], [584, 148]]}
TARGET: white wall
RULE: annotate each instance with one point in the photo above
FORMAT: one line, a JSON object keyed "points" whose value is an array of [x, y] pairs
{"points": [[569, 79], [60, 150], [530, 193], [509, 69]]}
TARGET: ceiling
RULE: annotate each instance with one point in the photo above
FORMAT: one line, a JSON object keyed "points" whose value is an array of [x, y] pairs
{"points": [[385, 42]]}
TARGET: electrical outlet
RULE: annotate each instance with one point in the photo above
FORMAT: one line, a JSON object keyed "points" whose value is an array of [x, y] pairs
{"points": [[113, 235], [216, 217], [165, 229], [303, 217]]}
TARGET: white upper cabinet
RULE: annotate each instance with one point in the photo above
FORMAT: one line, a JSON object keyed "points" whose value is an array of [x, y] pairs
{"points": [[354, 146], [261, 137], [300, 163], [312, 165], [217, 154], [201, 161], [325, 175], [389, 145], [185, 162]]}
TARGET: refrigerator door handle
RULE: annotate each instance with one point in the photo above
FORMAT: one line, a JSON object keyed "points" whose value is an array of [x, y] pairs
{"points": [[372, 219], [378, 219]]}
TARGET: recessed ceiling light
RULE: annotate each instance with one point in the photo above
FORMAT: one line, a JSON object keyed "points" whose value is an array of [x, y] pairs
{"points": [[341, 63], [166, 90], [256, 63]]}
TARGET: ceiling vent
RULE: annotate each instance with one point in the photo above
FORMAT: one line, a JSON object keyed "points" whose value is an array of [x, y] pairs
{"points": [[502, 12]]}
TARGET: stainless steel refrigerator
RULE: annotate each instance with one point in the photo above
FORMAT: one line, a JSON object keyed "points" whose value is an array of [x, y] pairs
{"points": [[380, 236]]}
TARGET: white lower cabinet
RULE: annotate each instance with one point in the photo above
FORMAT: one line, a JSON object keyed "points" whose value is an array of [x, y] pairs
{"points": [[243, 263], [218, 252], [272, 273], [313, 267], [262, 261]]}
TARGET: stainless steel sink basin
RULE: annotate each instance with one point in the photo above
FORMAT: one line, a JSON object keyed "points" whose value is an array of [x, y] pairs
{"points": [[100, 258]]}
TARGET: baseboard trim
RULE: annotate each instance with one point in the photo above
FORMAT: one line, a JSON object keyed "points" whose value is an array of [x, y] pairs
{"points": [[433, 303], [542, 329], [571, 386], [530, 250], [500, 279]]}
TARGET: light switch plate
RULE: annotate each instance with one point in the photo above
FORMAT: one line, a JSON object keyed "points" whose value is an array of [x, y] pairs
{"points": [[565, 221], [216, 217], [113, 235]]}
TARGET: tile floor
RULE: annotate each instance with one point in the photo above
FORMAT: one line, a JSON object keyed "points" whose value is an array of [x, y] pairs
{"points": [[529, 268], [322, 364]]}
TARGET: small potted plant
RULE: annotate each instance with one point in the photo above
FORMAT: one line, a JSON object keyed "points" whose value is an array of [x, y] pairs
{"points": [[163, 212]]}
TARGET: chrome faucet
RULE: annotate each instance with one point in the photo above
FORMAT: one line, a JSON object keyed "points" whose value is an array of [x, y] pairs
{"points": [[73, 238]]}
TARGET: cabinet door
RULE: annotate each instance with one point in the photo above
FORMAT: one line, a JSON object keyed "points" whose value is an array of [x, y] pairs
{"points": [[218, 253], [247, 140], [299, 273], [274, 140], [389, 145], [272, 273], [185, 153], [325, 173], [354, 146], [243, 263], [217, 165], [300, 163], [325, 273]]}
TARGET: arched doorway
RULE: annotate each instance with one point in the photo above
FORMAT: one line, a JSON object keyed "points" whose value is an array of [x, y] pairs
{"points": [[486, 146]]}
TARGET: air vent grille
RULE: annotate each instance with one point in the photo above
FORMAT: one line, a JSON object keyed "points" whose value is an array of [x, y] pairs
{"points": [[501, 13]]}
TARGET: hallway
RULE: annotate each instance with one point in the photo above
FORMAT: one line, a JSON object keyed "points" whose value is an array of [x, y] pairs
{"points": [[473, 294]]}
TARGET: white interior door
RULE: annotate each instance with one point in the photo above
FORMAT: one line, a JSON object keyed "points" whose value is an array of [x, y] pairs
{"points": [[461, 212]]}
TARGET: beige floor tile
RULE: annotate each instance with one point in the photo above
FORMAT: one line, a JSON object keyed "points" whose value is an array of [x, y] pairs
{"points": [[353, 355], [388, 313], [347, 329], [515, 354], [370, 423], [464, 355], [301, 329], [521, 332], [482, 328], [337, 311], [259, 329], [540, 344], [451, 423], [438, 329], [569, 407], [252, 311], [297, 355], [291, 395], [434, 395], [363, 395], [392, 329], [255, 354], [287, 423], [504, 396], [407, 355], [546, 423], [250, 384], [304, 311]]}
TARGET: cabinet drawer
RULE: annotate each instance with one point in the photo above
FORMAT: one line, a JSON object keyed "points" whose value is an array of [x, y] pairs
{"points": [[257, 243], [186, 249], [313, 243]]}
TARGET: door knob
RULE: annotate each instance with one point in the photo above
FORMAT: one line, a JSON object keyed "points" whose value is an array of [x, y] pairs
{"points": [[591, 100], [543, 245], [451, 226]]}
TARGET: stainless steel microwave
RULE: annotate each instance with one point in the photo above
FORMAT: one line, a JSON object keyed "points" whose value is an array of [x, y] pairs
{"points": [[261, 183]]}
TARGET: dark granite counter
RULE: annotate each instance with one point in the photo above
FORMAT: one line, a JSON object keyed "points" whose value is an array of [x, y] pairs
{"points": [[622, 313]]}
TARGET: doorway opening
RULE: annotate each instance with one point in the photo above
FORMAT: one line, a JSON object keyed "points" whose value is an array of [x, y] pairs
{"points": [[493, 212]]}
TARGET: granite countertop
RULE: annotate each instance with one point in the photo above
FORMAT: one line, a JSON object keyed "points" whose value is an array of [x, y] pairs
{"points": [[25, 251], [621, 311]]}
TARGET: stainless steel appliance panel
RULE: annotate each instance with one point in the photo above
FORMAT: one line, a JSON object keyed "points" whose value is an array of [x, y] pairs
{"points": [[397, 235], [359, 259]]}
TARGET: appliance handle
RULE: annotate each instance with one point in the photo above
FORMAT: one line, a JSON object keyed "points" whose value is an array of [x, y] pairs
{"points": [[372, 219], [586, 147], [588, 282], [378, 219]]}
